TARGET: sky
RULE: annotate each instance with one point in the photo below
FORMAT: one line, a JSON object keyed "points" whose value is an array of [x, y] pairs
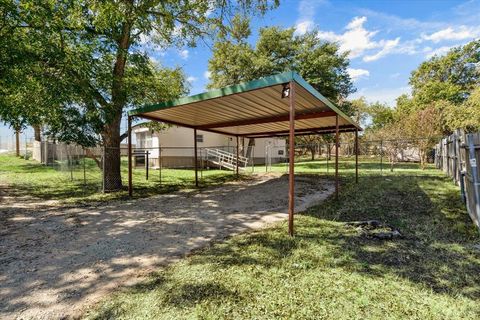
{"points": [[387, 40]]}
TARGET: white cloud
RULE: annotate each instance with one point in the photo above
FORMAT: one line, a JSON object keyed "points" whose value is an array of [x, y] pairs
{"points": [[358, 40], [207, 75], [303, 27], [388, 47], [356, 23], [437, 51], [184, 54], [306, 11], [192, 79], [459, 33], [355, 39], [357, 74]]}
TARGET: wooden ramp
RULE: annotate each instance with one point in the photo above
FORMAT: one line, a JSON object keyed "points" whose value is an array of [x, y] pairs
{"points": [[227, 160]]}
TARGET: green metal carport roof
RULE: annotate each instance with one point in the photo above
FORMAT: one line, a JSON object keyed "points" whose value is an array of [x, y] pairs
{"points": [[253, 109]]}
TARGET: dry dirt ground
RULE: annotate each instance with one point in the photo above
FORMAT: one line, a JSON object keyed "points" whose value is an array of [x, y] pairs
{"points": [[55, 261]]}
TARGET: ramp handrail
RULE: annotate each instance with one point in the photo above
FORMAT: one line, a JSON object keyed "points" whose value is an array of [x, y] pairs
{"points": [[226, 159]]}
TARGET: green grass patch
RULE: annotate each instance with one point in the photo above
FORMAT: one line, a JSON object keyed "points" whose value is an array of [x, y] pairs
{"points": [[329, 270], [73, 184], [82, 183]]}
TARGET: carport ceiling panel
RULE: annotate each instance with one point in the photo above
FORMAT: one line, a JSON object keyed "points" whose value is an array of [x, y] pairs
{"points": [[243, 106], [250, 108], [276, 126]]}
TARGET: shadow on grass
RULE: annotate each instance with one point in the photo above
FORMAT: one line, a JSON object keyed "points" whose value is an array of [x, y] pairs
{"points": [[436, 254], [436, 251], [50, 183]]}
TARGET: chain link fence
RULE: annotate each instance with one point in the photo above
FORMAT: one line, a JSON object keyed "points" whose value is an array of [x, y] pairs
{"points": [[162, 169], [10, 143], [375, 156]]}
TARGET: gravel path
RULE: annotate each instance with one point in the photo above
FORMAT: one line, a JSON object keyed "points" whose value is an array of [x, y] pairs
{"points": [[54, 261]]}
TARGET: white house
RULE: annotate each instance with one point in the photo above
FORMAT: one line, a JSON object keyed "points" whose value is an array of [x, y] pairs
{"points": [[175, 145]]}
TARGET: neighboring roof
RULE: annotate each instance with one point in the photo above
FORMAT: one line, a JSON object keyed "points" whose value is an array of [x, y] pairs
{"points": [[252, 109]]}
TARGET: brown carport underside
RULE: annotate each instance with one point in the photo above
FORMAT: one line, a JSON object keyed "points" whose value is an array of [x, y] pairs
{"points": [[259, 112]]}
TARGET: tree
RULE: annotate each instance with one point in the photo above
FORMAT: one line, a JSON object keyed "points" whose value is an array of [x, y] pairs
{"points": [[381, 115], [21, 97], [424, 128], [319, 62], [232, 59], [451, 77], [95, 51], [464, 116], [446, 83], [277, 50]]}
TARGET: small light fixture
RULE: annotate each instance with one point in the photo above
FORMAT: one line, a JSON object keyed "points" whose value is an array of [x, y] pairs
{"points": [[286, 91]]}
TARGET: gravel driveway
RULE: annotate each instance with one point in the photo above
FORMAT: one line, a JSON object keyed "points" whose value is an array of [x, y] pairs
{"points": [[54, 261]]}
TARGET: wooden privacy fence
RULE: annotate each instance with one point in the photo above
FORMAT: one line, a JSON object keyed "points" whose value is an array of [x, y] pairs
{"points": [[458, 155]]}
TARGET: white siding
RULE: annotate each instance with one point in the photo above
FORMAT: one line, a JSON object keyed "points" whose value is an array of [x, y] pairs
{"points": [[178, 141]]}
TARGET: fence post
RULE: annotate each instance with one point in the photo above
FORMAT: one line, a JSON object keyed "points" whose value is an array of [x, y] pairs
{"points": [[475, 178], [160, 164], [146, 164], [381, 156], [201, 164], [328, 154], [70, 162], [266, 164], [46, 150], [103, 169], [25, 155], [84, 169]]}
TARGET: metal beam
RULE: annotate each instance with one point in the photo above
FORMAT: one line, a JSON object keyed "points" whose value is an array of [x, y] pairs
{"points": [[305, 133], [336, 156], [264, 134], [283, 118], [317, 130], [356, 156], [195, 156], [183, 125], [238, 154], [291, 164], [130, 187]]}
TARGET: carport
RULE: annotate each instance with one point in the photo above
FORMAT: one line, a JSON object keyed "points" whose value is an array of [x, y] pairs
{"points": [[281, 105]]}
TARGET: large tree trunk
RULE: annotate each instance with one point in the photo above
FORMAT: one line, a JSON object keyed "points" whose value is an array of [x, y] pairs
{"points": [[37, 133], [312, 151], [111, 131], [423, 159], [251, 145], [17, 143], [111, 141]]}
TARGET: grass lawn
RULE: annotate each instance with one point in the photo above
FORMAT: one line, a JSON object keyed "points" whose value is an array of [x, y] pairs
{"points": [[60, 183], [329, 270], [72, 186]]}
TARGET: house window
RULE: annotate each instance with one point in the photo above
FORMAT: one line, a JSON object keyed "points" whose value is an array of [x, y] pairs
{"points": [[199, 137], [280, 152]]}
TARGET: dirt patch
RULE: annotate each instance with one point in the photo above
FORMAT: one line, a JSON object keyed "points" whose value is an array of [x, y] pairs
{"points": [[55, 261], [374, 229]]}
